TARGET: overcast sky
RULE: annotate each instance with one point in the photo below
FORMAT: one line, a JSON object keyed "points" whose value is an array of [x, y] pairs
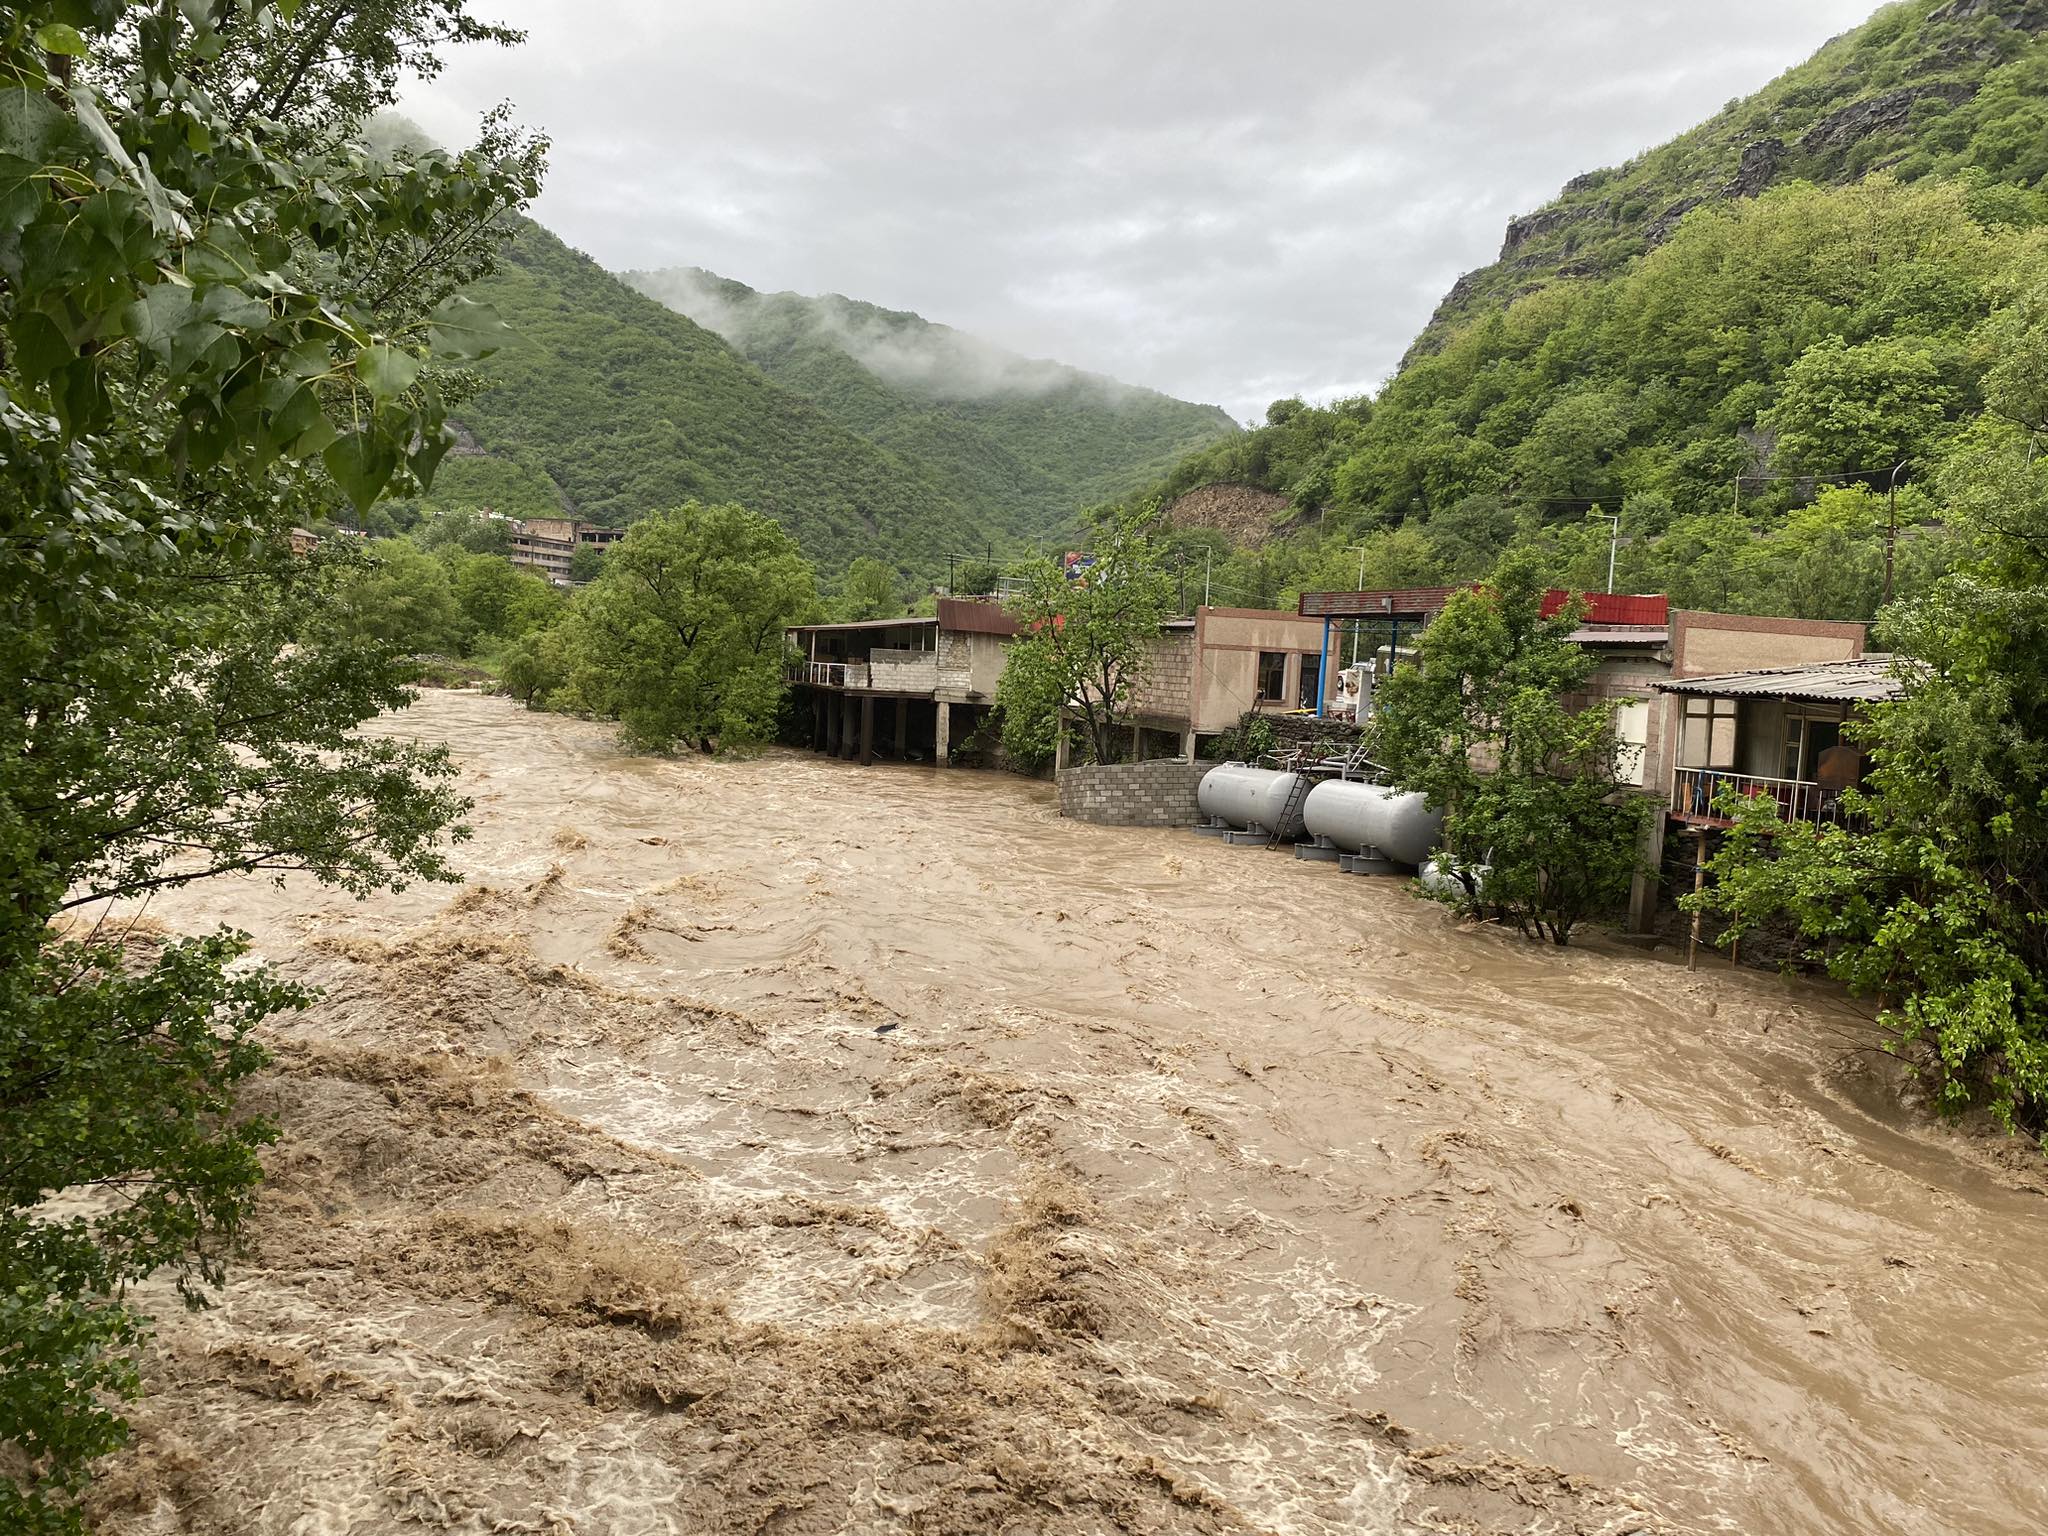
{"points": [[1229, 202]]}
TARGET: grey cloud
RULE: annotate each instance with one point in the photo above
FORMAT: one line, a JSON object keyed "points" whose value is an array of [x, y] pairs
{"points": [[1225, 202]]}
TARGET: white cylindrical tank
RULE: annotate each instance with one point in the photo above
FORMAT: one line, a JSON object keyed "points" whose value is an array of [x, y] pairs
{"points": [[1439, 879], [1405, 828], [1246, 796], [1359, 816], [1341, 810]]}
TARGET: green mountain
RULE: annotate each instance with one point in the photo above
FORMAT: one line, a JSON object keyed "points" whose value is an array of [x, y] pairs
{"points": [[1955, 89], [606, 405], [1023, 443], [1739, 380]]}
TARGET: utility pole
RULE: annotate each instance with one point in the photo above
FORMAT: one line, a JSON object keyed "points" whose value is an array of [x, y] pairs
{"points": [[1891, 534], [1613, 542], [1356, 627], [1208, 559]]}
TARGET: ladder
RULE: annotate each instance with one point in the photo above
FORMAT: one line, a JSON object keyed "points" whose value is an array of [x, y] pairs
{"points": [[1295, 797]]}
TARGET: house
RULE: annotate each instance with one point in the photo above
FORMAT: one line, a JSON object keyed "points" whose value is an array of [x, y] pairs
{"points": [[933, 678], [1206, 671], [1640, 640], [549, 544], [1773, 731]]}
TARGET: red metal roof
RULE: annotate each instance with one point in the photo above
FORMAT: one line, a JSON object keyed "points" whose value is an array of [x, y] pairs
{"points": [[1653, 612], [1639, 612]]}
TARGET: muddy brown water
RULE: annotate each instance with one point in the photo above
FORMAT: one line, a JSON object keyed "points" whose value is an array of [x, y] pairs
{"points": [[786, 1146]]}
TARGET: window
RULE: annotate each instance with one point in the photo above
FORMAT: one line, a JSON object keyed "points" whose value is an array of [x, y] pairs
{"points": [[1311, 693], [1272, 676], [1706, 735], [1631, 737]]}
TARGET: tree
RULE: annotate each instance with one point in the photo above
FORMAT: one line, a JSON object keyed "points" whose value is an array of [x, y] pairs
{"points": [[681, 637], [585, 563], [1860, 410], [868, 591], [396, 593], [1932, 895], [1535, 830], [499, 601], [1086, 639], [221, 316]]}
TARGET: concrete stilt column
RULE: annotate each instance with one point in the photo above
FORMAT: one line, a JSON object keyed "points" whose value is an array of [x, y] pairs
{"points": [[902, 729], [942, 730], [1059, 748], [828, 705], [817, 722], [1643, 890], [1187, 743], [1137, 742], [849, 726], [867, 731]]}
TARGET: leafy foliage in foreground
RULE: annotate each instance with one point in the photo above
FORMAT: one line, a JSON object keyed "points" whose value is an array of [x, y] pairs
{"points": [[1535, 833], [220, 313]]}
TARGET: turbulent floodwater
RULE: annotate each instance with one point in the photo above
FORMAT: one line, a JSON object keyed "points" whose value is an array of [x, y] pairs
{"points": [[785, 1146]]}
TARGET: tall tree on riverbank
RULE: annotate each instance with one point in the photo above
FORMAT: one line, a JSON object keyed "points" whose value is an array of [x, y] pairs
{"points": [[1087, 637], [1938, 903], [680, 638], [221, 316], [1535, 833]]}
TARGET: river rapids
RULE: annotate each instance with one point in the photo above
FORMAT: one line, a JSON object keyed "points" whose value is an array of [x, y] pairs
{"points": [[782, 1146]]}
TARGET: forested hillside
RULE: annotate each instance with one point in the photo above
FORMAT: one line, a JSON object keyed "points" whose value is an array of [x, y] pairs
{"points": [[608, 404], [1922, 89], [1742, 390], [1023, 443]]}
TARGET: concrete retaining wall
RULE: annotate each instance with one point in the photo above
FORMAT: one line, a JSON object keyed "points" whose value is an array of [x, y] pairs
{"points": [[1160, 793]]}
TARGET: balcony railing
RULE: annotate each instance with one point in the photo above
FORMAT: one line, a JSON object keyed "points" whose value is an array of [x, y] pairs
{"points": [[828, 674], [1694, 791]]}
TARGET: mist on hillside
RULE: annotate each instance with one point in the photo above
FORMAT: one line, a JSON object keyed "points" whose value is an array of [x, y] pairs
{"points": [[903, 350]]}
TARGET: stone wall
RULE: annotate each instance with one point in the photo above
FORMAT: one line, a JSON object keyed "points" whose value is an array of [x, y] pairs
{"points": [[1165, 687], [1160, 793]]}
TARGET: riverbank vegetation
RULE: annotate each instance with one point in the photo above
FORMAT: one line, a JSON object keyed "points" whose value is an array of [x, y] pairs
{"points": [[1932, 894], [1536, 832]]}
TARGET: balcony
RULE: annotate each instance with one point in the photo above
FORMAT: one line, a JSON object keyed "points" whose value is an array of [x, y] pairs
{"points": [[1694, 791], [884, 671]]}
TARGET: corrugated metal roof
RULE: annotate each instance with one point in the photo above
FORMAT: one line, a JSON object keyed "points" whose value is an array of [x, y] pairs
{"points": [[1386, 603], [1620, 634], [965, 616], [1863, 680]]}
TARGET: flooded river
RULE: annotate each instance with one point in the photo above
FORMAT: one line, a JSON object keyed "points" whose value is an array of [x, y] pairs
{"points": [[784, 1146]]}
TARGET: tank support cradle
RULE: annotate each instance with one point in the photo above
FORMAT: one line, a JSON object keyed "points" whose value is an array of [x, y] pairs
{"points": [[1253, 834], [1320, 849], [1213, 827], [1368, 861]]}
